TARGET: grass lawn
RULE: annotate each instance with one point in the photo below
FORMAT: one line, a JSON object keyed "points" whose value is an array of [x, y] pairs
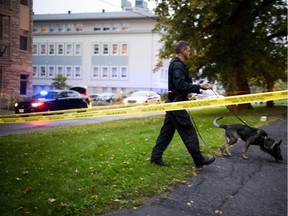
{"points": [[97, 168]]}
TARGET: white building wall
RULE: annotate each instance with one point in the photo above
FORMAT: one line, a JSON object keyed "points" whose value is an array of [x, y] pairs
{"points": [[143, 47]]}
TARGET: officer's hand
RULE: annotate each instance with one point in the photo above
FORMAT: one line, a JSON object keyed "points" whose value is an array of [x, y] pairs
{"points": [[205, 86]]}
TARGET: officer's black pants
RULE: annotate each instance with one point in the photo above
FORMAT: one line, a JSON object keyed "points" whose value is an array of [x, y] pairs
{"points": [[177, 120]]}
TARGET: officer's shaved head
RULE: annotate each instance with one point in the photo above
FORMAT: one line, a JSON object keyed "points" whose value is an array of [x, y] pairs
{"points": [[180, 45]]}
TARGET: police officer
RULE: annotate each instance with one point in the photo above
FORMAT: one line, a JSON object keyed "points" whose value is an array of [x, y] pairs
{"points": [[179, 86]]}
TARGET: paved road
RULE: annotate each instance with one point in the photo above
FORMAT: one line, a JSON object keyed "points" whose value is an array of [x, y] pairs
{"points": [[230, 186]]}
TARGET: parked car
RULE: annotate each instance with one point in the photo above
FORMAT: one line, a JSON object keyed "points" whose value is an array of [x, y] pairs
{"points": [[53, 100], [80, 88], [207, 94], [94, 97], [140, 97], [107, 96]]}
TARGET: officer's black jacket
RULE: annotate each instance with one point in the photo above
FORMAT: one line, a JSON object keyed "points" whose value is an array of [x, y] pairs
{"points": [[179, 81]]}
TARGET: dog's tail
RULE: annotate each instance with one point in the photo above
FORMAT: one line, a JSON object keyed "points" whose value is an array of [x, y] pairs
{"points": [[215, 123]]}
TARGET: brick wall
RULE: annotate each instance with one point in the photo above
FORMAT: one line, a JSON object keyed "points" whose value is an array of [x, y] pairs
{"points": [[21, 61]]}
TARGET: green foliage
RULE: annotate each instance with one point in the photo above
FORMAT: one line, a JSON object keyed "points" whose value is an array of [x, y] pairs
{"points": [[59, 82], [97, 168], [232, 41]]}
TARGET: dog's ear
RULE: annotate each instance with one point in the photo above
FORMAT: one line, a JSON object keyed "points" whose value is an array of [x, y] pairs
{"points": [[262, 133], [279, 143]]}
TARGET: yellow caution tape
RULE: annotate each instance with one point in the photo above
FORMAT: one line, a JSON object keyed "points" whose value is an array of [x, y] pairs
{"points": [[124, 110]]}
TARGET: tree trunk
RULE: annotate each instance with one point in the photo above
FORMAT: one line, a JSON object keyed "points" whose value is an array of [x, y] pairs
{"points": [[239, 86], [270, 85]]}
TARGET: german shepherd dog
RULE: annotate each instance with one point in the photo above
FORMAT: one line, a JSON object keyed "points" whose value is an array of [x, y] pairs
{"points": [[251, 136]]}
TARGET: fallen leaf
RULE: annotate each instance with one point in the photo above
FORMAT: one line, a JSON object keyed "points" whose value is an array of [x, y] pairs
{"points": [[219, 212], [26, 211], [51, 200], [25, 173], [64, 205]]}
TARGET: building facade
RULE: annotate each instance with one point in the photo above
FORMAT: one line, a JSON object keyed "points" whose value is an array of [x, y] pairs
{"points": [[15, 49], [107, 52]]}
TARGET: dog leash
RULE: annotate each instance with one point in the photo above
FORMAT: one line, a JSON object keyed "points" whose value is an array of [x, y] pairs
{"points": [[231, 111], [195, 125], [196, 128]]}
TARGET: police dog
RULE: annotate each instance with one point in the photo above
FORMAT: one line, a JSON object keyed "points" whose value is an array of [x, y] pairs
{"points": [[251, 136]]}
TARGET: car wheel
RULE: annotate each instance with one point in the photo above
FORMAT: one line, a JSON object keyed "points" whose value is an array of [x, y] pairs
{"points": [[83, 105]]}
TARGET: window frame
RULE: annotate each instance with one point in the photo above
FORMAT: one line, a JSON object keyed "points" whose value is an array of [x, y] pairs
{"points": [[35, 50], [112, 49], [111, 72], [58, 49], [67, 49], [121, 73], [122, 52], [76, 50], [99, 49], [49, 71], [35, 73], [102, 72], [40, 71], [70, 75], [49, 49], [57, 70], [75, 72], [98, 72], [104, 48], [43, 52]]}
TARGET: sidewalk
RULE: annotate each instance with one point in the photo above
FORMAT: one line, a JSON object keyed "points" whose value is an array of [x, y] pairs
{"points": [[4, 112], [230, 186]]}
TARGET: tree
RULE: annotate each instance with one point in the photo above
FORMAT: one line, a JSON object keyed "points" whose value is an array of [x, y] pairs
{"points": [[59, 82], [232, 41]]}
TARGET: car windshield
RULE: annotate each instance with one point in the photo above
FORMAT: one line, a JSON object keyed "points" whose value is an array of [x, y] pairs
{"points": [[140, 94]]}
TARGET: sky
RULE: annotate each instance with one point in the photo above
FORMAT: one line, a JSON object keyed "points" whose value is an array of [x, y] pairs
{"points": [[79, 6]]}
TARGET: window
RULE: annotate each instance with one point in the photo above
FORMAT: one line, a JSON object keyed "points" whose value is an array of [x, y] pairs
{"points": [[43, 49], [23, 84], [114, 72], [77, 72], [78, 49], [125, 27], [51, 49], [115, 49], [69, 49], [69, 27], [68, 71], [35, 71], [79, 27], [61, 28], [124, 49], [106, 28], [95, 72], [164, 74], [123, 73], [116, 27], [105, 72], [97, 27], [60, 70], [35, 49], [23, 43], [51, 71], [24, 2], [42, 71], [5, 3], [96, 49], [105, 49], [60, 49]]}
